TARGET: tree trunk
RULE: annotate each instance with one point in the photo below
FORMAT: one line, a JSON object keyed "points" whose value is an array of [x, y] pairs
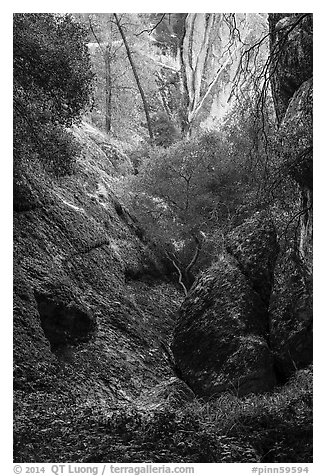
{"points": [[106, 54], [108, 91], [195, 49], [207, 53], [134, 70]]}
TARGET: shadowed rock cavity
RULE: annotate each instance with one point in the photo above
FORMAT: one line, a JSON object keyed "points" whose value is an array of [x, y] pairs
{"points": [[63, 324]]}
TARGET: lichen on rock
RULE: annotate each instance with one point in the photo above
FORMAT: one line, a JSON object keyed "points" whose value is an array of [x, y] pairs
{"points": [[85, 282], [292, 89], [221, 337]]}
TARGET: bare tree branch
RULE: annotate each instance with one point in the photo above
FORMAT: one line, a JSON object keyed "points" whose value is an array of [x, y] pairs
{"points": [[180, 281], [150, 30]]}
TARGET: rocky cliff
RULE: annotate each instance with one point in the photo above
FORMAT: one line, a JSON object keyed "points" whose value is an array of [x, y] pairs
{"points": [[93, 304], [95, 310], [291, 66]]}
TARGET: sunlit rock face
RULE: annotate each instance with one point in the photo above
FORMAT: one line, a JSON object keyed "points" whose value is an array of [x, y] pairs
{"points": [[222, 334]]}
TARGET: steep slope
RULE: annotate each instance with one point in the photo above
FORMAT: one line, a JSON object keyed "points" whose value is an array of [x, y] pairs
{"points": [[93, 307]]}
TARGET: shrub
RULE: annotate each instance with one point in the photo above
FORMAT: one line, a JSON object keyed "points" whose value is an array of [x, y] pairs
{"points": [[267, 428], [52, 86], [165, 130]]}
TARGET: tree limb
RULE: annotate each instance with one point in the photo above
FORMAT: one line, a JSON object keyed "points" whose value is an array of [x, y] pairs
{"points": [[150, 30], [179, 272], [95, 36]]}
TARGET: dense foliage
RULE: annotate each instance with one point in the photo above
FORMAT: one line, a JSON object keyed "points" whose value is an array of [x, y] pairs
{"points": [[202, 186], [118, 107], [267, 428], [52, 86]]}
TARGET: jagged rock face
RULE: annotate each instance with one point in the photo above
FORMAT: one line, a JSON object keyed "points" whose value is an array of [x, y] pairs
{"points": [[291, 38], [253, 244], [295, 135], [291, 53], [291, 314], [205, 56], [291, 306], [221, 337], [211, 56], [92, 302]]}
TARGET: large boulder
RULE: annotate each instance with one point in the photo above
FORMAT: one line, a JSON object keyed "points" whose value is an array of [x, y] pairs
{"points": [[291, 307], [253, 245], [221, 337]]}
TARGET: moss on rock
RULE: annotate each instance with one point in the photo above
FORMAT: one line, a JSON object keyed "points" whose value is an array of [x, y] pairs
{"points": [[220, 340]]}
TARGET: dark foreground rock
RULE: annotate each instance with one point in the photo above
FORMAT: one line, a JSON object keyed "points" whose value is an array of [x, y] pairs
{"points": [[221, 338]]}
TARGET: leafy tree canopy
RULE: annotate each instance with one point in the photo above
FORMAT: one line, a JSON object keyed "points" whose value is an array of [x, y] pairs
{"points": [[52, 86]]}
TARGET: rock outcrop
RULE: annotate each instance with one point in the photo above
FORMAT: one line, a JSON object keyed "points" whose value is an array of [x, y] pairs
{"points": [[291, 314], [228, 334], [221, 337], [204, 52], [291, 309], [92, 300], [291, 56]]}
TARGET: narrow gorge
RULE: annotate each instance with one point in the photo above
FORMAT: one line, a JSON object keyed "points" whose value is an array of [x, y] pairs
{"points": [[112, 362]]}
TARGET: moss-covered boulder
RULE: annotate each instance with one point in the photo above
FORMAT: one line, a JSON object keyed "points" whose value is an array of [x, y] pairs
{"points": [[295, 135], [221, 337], [253, 245]]}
